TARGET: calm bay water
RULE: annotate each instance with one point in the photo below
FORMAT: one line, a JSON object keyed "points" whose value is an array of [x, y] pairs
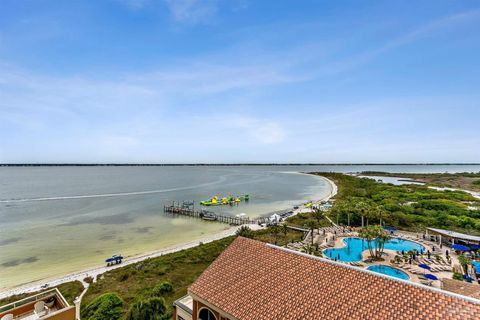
{"points": [[55, 220]]}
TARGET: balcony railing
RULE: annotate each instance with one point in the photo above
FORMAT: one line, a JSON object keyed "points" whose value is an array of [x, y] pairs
{"points": [[32, 299]]}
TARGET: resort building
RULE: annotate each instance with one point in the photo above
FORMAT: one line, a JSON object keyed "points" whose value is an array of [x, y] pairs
{"points": [[252, 280], [47, 305], [451, 237]]}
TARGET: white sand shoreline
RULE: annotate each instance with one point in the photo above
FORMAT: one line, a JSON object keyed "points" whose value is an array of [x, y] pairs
{"points": [[95, 271]]}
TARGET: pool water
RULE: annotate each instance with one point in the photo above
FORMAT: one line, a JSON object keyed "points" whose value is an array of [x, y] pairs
{"points": [[354, 247], [389, 271], [476, 265]]}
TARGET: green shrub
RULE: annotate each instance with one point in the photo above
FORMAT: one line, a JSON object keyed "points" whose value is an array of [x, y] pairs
{"points": [[245, 231], [162, 288], [107, 306], [149, 309], [457, 276]]}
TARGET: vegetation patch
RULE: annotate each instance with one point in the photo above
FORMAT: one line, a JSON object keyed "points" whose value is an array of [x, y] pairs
{"points": [[303, 219], [409, 207], [167, 277], [279, 235], [106, 306]]}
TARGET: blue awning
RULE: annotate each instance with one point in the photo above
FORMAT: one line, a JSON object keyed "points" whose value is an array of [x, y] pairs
{"points": [[459, 247], [474, 247], [389, 229]]}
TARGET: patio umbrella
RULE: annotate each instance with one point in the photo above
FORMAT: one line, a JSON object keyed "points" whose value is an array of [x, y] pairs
{"points": [[459, 247], [424, 266], [430, 276], [468, 278]]}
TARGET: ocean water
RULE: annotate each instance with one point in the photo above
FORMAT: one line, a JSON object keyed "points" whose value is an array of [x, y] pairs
{"points": [[56, 220]]}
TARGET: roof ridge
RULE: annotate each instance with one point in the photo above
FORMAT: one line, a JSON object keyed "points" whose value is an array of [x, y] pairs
{"points": [[407, 282]]}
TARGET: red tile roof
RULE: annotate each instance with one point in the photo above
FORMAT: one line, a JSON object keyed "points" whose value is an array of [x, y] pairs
{"points": [[255, 281]]}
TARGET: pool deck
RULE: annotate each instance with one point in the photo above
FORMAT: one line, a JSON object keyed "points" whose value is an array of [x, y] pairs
{"points": [[442, 268], [415, 276], [332, 237]]}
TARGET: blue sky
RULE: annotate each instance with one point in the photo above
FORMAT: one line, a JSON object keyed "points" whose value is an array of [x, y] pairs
{"points": [[239, 81]]}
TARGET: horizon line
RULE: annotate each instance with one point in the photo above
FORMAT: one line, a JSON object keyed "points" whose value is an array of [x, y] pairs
{"points": [[228, 164]]}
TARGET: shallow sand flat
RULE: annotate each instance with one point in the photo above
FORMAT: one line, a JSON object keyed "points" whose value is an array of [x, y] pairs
{"points": [[44, 239]]}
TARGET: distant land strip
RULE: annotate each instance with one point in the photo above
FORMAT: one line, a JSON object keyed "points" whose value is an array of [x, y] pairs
{"points": [[221, 164]]}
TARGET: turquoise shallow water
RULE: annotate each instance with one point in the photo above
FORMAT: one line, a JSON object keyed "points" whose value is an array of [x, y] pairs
{"points": [[354, 247], [389, 271]]}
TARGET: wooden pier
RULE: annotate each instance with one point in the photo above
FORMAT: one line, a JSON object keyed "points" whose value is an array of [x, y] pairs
{"points": [[210, 216]]}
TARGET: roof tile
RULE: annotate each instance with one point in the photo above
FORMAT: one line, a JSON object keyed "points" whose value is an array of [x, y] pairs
{"points": [[253, 281]]}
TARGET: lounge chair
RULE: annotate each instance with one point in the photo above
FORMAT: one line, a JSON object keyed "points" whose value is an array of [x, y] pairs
{"points": [[426, 282], [40, 308]]}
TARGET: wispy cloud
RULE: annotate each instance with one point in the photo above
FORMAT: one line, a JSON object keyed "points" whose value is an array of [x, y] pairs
{"points": [[254, 95], [135, 4], [192, 11]]}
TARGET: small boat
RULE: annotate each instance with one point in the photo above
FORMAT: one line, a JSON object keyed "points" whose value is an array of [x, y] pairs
{"points": [[208, 216]]}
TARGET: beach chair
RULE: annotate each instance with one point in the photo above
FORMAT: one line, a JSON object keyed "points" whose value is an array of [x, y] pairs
{"points": [[40, 308]]}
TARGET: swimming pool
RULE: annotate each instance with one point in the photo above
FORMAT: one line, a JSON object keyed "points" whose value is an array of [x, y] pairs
{"points": [[354, 247], [476, 265], [389, 271]]}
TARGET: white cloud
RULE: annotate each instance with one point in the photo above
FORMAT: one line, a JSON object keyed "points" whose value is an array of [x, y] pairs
{"points": [[192, 11]]}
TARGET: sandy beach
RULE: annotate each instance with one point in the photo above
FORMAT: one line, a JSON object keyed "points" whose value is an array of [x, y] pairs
{"points": [[95, 271]]}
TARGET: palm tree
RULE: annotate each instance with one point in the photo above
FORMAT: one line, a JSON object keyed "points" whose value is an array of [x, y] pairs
{"points": [[376, 238], [311, 225], [464, 262], [313, 250], [285, 231], [368, 234], [317, 214], [245, 231], [382, 237], [377, 212], [362, 208], [275, 230]]}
